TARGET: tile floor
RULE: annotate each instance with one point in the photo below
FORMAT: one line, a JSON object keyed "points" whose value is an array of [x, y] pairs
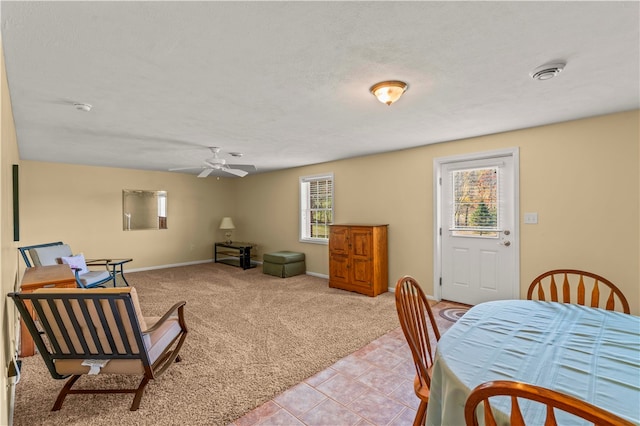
{"points": [[372, 386]]}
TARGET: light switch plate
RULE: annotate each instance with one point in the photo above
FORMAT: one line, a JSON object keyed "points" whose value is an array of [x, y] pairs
{"points": [[531, 218]]}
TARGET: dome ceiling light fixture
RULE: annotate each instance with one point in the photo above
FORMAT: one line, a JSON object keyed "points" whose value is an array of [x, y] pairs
{"points": [[548, 71], [388, 92]]}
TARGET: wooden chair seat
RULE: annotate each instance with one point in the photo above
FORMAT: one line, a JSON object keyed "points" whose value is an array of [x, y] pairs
{"points": [[421, 390]]}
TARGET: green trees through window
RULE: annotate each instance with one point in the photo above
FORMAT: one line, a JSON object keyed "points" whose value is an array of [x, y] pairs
{"points": [[316, 207], [475, 195]]}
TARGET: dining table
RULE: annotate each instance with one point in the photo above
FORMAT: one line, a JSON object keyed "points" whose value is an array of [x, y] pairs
{"points": [[589, 353]]}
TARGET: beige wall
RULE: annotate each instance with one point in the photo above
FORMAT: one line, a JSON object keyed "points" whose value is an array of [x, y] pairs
{"points": [[8, 258], [581, 177], [82, 206]]}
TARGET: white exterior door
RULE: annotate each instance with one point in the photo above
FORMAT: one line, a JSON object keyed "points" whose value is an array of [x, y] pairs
{"points": [[478, 233]]}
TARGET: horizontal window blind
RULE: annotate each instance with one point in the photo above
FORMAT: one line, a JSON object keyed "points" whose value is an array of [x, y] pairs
{"points": [[316, 207]]}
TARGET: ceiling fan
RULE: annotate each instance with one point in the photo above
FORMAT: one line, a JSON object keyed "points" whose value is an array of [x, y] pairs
{"points": [[216, 163]]}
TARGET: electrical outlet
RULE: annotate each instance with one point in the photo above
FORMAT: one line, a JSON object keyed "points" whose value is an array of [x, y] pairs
{"points": [[13, 370], [531, 218]]}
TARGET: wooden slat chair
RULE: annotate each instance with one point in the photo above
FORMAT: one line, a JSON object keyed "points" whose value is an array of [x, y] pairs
{"points": [[76, 325], [552, 399], [413, 310], [575, 285]]}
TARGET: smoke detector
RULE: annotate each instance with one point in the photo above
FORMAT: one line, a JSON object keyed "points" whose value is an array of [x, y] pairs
{"points": [[548, 71], [82, 107]]}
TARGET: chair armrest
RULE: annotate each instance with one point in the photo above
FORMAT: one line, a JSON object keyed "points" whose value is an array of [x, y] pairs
{"points": [[106, 262], [109, 263], [76, 272], [170, 313], [113, 262], [97, 262]]}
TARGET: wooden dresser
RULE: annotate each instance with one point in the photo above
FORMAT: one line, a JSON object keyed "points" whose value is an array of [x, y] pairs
{"points": [[60, 276], [358, 258]]}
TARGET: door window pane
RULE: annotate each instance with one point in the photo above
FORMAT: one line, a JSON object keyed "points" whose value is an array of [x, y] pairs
{"points": [[475, 202]]}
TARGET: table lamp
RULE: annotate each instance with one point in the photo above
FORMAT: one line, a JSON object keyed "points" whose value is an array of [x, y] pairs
{"points": [[227, 224]]}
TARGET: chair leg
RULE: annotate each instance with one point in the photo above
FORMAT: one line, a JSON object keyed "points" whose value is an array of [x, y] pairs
{"points": [[169, 358], [139, 392], [421, 415], [64, 392]]}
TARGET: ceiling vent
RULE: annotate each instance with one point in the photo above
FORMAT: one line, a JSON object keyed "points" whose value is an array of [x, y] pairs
{"points": [[82, 107], [546, 72]]}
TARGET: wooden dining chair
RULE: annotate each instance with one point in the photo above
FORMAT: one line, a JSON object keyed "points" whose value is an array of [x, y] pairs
{"points": [[575, 285], [552, 399], [421, 335]]}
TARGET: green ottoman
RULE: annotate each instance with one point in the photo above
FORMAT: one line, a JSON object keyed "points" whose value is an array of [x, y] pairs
{"points": [[283, 264]]}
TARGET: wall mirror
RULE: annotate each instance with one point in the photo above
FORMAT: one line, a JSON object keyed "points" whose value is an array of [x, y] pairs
{"points": [[144, 209]]}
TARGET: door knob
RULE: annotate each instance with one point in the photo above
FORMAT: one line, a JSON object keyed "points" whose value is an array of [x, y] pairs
{"points": [[505, 243]]}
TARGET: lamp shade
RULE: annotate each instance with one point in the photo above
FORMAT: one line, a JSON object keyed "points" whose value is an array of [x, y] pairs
{"points": [[227, 223], [388, 92]]}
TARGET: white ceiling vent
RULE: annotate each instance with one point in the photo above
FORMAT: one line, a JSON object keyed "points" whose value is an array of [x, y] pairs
{"points": [[546, 72], [82, 107]]}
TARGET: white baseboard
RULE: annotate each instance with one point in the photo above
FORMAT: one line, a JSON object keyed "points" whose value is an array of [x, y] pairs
{"points": [[315, 274], [12, 381], [197, 262], [171, 265], [429, 297]]}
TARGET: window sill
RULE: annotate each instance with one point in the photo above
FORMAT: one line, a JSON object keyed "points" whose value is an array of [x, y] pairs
{"points": [[314, 241]]}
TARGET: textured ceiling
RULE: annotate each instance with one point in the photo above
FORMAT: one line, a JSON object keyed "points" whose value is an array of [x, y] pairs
{"points": [[287, 83]]}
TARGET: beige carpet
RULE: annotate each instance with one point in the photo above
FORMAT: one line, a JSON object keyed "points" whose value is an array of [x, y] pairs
{"points": [[251, 336]]}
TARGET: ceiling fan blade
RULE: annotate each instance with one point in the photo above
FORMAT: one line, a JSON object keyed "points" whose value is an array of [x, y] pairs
{"points": [[185, 168], [237, 172], [245, 167], [205, 173], [214, 164]]}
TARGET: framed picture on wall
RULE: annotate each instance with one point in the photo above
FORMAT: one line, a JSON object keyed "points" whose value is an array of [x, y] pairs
{"points": [[16, 205]]}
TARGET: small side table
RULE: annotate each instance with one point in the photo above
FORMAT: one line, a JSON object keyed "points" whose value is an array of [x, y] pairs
{"points": [[241, 259], [117, 266], [58, 276]]}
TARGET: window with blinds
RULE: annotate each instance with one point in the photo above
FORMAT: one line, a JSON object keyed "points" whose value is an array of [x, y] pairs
{"points": [[475, 209], [316, 207]]}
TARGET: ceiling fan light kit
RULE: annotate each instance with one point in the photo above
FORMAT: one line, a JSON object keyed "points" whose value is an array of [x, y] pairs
{"points": [[388, 92]]}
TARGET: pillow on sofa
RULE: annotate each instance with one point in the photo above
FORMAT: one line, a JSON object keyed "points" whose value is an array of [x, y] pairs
{"points": [[76, 262]]}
